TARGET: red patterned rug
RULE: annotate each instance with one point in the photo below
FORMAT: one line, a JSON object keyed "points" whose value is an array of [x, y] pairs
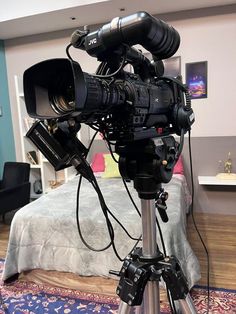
{"points": [[29, 298]]}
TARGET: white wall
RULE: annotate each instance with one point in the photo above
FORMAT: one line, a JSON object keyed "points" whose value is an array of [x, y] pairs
{"points": [[212, 39], [209, 39]]}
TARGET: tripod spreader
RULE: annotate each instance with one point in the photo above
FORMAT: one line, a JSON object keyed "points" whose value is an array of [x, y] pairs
{"points": [[134, 274], [137, 271]]}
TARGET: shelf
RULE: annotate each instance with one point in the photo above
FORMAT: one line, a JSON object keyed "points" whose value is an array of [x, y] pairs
{"points": [[35, 166], [213, 180]]}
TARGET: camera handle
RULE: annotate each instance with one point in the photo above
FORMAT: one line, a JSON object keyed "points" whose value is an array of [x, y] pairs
{"points": [[149, 163]]}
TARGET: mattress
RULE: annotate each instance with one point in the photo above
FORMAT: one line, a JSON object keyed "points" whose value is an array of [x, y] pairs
{"points": [[44, 233]]}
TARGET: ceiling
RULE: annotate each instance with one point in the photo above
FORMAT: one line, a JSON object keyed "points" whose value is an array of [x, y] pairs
{"points": [[35, 17]]}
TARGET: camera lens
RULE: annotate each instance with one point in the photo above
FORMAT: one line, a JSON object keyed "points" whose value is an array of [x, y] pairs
{"points": [[62, 98]]}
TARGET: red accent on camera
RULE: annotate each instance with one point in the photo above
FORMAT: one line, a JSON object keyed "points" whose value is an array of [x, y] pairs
{"points": [[159, 130]]}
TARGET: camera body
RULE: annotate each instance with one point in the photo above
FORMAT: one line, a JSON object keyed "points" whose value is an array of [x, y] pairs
{"points": [[128, 107], [125, 106]]}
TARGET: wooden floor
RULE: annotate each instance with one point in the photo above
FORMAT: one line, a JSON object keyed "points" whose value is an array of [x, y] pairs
{"points": [[219, 234]]}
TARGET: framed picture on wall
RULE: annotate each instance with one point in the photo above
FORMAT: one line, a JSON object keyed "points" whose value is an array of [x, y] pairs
{"points": [[196, 79]]}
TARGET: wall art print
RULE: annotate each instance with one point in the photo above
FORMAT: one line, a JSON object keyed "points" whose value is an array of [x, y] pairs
{"points": [[196, 79]]}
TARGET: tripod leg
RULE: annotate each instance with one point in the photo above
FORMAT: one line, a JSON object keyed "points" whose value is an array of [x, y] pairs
{"points": [[152, 298], [124, 308], [177, 285], [138, 310], [187, 306]]}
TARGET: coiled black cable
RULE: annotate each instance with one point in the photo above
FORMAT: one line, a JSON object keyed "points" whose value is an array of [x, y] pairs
{"points": [[105, 210]]}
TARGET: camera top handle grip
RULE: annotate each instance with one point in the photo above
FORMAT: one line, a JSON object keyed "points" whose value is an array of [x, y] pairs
{"points": [[160, 39]]}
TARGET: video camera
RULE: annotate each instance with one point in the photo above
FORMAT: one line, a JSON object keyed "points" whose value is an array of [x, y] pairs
{"points": [[137, 111], [123, 105]]}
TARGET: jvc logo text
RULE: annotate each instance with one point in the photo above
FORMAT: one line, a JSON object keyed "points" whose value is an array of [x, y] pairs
{"points": [[92, 41]]}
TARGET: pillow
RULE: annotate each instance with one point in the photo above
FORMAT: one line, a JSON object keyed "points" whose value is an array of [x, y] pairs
{"points": [[111, 167], [179, 167], [98, 163]]}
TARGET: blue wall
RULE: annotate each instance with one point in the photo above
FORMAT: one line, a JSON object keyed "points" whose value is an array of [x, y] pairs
{"points": [[7, 147]]}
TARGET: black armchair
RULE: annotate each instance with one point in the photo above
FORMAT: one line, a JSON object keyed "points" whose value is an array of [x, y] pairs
{"points": [[14, 186]]}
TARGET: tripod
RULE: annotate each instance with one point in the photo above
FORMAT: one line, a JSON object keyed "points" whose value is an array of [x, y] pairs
{"points": [[148, 164]]}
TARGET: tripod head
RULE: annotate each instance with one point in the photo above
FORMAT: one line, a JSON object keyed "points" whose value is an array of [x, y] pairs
{"points": [[148, 163]]}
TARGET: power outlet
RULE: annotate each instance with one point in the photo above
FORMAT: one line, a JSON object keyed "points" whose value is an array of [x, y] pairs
{"points": [[0, 111]]}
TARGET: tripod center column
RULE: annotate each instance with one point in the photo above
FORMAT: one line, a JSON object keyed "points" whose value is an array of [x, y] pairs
{"points": [[149, 228], [151, 301]]}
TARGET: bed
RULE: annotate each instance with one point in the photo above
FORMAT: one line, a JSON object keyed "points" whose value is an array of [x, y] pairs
{"points": [[44, 233]]}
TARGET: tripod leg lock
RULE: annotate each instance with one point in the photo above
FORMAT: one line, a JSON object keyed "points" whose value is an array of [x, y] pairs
{"points": [[174, 278], [132, 283], [134, 274]]}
